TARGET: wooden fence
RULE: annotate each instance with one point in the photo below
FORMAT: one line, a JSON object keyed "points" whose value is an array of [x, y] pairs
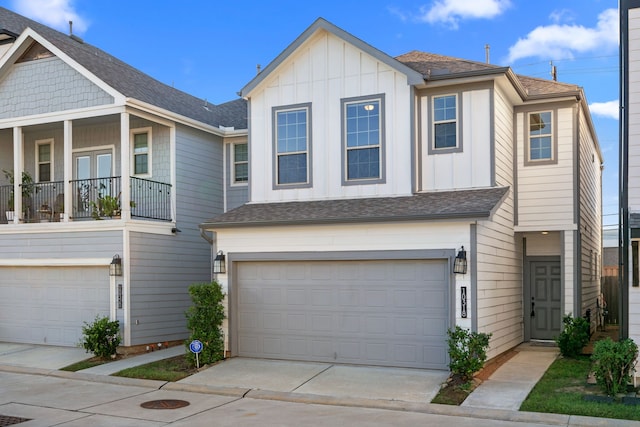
{"points": [[610, 290]]}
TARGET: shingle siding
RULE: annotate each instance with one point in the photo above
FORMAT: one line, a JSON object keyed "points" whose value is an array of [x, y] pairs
{"points": [[45, 86]]}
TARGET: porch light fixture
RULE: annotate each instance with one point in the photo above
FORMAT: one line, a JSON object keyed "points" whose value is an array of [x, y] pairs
{"points": [[219, 264], [460, 263], [115, 268]]}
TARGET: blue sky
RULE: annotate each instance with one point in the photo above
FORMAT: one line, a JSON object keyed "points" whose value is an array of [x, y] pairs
{"points": [[210, 48]]}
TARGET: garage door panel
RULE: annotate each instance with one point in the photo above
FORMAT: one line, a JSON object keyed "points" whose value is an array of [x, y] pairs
{"points": [[353, 312], [49, 305]]}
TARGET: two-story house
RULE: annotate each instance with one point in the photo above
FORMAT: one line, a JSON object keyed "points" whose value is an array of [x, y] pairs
{"points": [[393, 198], [108, 175]]}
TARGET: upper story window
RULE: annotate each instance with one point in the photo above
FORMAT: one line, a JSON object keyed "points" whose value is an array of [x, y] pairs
{"points": [[445, 122], [362, 140], [240, 163], [292, 139], [44, 160], [141, 151], [540, 137]]}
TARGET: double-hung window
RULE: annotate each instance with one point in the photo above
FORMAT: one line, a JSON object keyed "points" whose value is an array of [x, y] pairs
{"points": [[45, 160], [445, 122], [363, 139], [540, 137], [240, 163], [141, 151], [292, 139]]}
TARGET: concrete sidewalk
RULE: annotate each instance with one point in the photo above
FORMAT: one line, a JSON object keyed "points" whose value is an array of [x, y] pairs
{"points": [[512, 382]]}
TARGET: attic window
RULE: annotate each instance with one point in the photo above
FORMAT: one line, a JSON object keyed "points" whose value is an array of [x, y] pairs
{"points": [[36, 51], [7, 36]]}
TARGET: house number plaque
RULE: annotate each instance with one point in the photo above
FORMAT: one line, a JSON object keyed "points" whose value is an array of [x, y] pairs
{"points": [[463, 301]]}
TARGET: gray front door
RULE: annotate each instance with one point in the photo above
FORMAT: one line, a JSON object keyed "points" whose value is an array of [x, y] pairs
{"points": [[545, 305]]}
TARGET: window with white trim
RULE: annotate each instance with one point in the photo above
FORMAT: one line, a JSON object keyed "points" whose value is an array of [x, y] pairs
{"points": [[363, 139], [141, 152], [240, 163], [44, 160], [540, 136], [445, 122], [292, 145]]}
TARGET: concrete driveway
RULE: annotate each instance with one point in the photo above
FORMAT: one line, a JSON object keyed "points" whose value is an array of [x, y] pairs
{"points": [[322, 379], [40, 356]]}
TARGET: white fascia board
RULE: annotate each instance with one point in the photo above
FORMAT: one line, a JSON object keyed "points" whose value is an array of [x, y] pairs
{"points": [[540, 228], [141, 226], [56, 262], [161, 112], [23, 42], [58, 116]]}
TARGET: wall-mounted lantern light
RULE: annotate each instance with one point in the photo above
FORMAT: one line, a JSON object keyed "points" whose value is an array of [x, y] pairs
{"points": [[219, 265], [115, 268], [460, 263]]}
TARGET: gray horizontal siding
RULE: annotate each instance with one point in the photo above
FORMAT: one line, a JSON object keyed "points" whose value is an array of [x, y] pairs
{"points": [[80, 245]]}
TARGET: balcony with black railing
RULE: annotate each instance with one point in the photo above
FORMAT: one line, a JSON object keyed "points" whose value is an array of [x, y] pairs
{"points": [[96, 198]]}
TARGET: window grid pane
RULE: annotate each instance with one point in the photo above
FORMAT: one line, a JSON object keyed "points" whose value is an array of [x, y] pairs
{"points": [[291, 146], [44, 162], [445, 122], [540, 136], [362, 139], [241, 163]]}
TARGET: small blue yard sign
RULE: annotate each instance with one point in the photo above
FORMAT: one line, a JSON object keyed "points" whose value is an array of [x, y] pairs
{"points": [[196, 347]]}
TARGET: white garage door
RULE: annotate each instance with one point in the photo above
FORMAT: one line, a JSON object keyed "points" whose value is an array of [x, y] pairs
{"points": [[386, 313], [47, 305]]}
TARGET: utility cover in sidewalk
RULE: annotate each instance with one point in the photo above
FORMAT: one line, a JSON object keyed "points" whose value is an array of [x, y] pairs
{"points": [[6, 420], [165, 404]]}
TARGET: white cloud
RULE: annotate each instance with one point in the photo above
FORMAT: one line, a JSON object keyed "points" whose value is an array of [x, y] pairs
{"points": [[450, 12], [562, 41], [609, 109], [54, 13]]}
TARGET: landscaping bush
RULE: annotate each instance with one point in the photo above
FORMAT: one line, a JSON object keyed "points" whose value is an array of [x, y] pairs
{"points": [[102, 337], [613, 364], [204, 320], [467, 352], [574, 336]]}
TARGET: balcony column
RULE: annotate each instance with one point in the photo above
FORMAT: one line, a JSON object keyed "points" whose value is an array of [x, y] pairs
{"points": [[125, 167], [68, 168], [18, 165]]}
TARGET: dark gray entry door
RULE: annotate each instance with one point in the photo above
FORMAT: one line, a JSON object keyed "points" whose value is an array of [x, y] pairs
{"points": [[545, 305]]}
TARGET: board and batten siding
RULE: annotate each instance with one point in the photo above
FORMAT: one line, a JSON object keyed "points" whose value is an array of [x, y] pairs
{"points": [[634, 156], [324, 70], [545, 185], [472, 166], [45, 86], [590, 205]]}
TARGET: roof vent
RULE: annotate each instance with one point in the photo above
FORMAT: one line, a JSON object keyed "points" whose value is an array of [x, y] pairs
{"points": [[74, 37], [7, 36]]}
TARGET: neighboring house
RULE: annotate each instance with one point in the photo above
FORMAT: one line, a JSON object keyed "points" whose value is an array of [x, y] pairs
{"points": [[93, 131], [630, 170], [370, 174]]}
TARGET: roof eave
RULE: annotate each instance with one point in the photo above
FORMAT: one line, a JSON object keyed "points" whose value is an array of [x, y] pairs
{"points": [[470, 216]]}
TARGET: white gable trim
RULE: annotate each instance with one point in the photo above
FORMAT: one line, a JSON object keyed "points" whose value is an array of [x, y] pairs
{"points": [[24, 41], [413, 77]]}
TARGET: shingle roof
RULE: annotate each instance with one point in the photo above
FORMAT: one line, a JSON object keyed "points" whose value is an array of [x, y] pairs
{"points": [[430, 64], [478, 203], [129, 81]]}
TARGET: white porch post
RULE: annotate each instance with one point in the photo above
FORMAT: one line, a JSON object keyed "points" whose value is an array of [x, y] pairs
{"points": [[68, 168], [18, 165], [125, 167]]}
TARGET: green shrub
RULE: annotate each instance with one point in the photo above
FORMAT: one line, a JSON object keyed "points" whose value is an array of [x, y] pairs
{"points": [[574, 336], [102, 337], [204, 320], [613, 364], [467, 352]]}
